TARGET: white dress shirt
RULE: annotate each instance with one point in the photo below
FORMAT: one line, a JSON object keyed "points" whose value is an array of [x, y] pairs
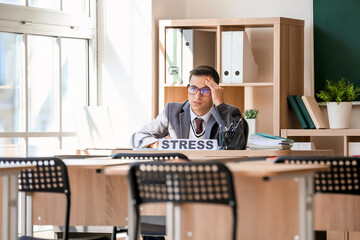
{"points": [[192, 133]]}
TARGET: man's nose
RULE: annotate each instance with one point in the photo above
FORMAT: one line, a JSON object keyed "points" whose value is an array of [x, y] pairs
{"points": [[198, 94]]}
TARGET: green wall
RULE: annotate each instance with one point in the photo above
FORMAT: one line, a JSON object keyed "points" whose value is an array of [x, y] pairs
{"points": [[336, 41]]}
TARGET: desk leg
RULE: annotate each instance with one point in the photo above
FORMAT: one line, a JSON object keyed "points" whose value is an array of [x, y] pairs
{"points": [[9, 207], [132, 234], [173, 221], [22, 213], [29, 216], [306, 216]]}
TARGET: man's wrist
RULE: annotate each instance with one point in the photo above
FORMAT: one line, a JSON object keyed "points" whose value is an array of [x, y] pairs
{"points": [[218, 103], [153, 145]]}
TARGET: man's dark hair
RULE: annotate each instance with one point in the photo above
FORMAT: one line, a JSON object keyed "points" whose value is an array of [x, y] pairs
{"points": [[205, 70]]}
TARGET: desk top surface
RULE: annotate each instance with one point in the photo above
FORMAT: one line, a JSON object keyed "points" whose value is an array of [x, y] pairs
{"points": [[248, 169], [208, 153], [103, 162], [223, 156], [14, 168], [270, 169]]}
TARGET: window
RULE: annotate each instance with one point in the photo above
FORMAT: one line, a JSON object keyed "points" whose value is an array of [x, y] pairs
{"points": [[47, 68]]}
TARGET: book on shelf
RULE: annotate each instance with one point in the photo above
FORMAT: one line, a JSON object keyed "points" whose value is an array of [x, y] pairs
{"points": [[315, 113], [267, 141], [305, 112], [297, 110]]}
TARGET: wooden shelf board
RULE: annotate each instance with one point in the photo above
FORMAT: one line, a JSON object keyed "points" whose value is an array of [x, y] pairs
{"points": [[321, 132], [246, 22], [250, 84], [174, 85]]}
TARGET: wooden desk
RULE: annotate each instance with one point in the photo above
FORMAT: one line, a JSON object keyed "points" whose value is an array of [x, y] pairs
{"points": [[223, 153], [248, 171], [259, 202], [9, 221]]}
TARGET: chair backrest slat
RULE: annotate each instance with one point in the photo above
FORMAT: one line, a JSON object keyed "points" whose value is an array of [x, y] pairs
{"points": [[151, 156]]}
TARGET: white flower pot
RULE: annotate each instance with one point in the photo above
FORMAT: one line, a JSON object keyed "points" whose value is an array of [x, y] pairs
{"points": [[252, 127], [339, 114]]}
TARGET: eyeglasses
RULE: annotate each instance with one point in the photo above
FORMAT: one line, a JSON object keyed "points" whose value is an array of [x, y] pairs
{"points": [[192, 90]]}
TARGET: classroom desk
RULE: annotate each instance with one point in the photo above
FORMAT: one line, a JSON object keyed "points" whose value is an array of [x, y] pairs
{"points": [[247, 170], [215, 153], [9, 220], [107, 192]]}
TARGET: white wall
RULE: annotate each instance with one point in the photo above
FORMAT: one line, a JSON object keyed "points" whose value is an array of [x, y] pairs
{"points": [[126, 58], [125, 63], [299, 9]]}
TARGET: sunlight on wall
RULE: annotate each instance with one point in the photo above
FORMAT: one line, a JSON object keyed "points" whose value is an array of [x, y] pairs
{"points": [[125, 63]]}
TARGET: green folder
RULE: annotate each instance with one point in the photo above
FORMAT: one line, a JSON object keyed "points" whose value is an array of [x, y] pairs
{"points": [[305, 112], [295, 106]]}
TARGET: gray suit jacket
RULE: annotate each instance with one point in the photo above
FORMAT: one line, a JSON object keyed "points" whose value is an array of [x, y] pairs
{"points": [[174, 122]]}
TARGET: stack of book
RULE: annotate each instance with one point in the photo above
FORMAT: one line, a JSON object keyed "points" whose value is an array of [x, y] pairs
{"points": [[260, 141], [307, 112]]}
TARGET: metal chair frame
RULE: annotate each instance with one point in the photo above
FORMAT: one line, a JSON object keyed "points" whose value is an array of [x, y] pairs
{"points": [[145, 156]]}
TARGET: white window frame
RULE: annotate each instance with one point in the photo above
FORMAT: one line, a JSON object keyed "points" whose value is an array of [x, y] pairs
{"points": [[37, 21]]}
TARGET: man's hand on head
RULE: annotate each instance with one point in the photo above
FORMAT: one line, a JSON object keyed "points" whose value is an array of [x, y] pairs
{"points": [[217, 92]]}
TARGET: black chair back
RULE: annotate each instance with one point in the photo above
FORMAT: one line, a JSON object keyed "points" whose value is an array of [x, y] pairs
{"points": [[50, 175], [195, 182], [151, 156], [246, 132], [343, 177]]}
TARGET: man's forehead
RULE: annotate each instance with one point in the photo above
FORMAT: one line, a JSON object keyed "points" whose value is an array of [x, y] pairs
{"points": [[200, 78]]}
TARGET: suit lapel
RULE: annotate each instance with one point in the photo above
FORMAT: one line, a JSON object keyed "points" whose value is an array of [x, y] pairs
{"points": [[209, 126], [184, 121]]}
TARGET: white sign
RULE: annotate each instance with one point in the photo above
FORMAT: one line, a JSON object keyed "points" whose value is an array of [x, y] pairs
{"points": [[188, 144]]}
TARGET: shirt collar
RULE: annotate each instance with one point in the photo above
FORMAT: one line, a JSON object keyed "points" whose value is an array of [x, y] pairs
{"points": [[204, 117]]}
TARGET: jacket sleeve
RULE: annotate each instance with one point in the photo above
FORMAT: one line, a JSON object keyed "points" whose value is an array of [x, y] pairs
{"points": [[152, 131], [229, 114]]}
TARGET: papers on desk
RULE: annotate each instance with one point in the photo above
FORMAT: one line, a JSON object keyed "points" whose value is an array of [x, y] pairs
{"points": [[260, 141]]}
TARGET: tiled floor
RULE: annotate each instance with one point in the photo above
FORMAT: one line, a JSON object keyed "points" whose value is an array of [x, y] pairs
{"points": [[45, 234]]}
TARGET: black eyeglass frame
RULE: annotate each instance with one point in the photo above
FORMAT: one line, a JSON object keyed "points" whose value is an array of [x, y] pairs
{"points": [[201, 90]]}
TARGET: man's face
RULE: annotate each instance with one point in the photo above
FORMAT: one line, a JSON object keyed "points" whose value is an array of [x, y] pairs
{"points": [[199, 103]]}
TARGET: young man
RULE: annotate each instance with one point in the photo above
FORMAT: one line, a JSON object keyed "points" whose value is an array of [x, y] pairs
{"points": [[198, 117]]}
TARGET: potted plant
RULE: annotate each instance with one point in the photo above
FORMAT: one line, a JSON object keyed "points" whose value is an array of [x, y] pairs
{"points": [[338, 96], [251, 116]]}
